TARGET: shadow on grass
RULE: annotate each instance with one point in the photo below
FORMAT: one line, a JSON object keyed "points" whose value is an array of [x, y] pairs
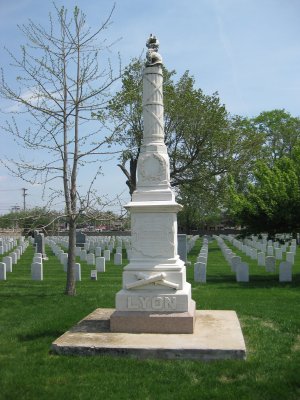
{"points": [[39, 335], [29, 295], [213, 250], [262, 284]]}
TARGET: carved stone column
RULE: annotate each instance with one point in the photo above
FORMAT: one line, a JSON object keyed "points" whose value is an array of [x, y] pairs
{"points": [[155, 296]]}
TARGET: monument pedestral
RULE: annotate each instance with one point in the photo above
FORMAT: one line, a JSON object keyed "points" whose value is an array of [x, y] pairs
{"points": [[155, 297]]}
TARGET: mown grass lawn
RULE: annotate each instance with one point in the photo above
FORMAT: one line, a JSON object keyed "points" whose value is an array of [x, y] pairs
{"points": [[34, 314]]}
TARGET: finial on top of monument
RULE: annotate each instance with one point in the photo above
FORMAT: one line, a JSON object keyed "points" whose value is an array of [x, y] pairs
{"points": [[153, 57]]}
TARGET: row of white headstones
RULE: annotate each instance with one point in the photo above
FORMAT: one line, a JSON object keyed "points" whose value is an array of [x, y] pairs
{"points": [[201, 264], [16, 247], [96, 251], [91, 253], [259, 250], [241, 269]]}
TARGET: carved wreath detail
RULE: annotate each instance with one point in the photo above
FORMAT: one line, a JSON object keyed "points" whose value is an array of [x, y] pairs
{"points": [[153, 168]]}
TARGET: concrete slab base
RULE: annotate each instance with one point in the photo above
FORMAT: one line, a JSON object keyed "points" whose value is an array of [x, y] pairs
{"points": [[153, 322], [217, 335]]}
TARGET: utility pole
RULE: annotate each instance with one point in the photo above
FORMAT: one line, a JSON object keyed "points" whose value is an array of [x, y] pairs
{"points": [[24, 198]]}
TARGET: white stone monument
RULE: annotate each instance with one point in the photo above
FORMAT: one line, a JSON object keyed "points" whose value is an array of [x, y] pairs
{"points": [[155, 297]]}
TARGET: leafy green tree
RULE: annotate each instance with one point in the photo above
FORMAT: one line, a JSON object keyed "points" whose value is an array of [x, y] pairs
{"points": [[202, 205], [271, 202], [281, 133], [29, 220], [198, 146]]}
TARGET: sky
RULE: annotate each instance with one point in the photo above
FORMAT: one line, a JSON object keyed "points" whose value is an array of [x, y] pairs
{"points": [[246, 50]]}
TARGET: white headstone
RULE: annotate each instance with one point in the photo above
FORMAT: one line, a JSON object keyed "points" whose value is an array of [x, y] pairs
{"points": [[290, 257], [270, 250], [202, 259], [90, 259], [77, 251], [118, 259], [110, 247], [182, 246], [270, 264], [37, 271], [63, 257], [100, 264], [200, 272], [98, 251], [253, 254], [77, 272], [285, 271], [234, 262], [38, 259], [18, 253], [8, 261], [83, 255], [261, 259], [119, 249], [2, 271], [93, 274], [278, 253], [107, 255], [242, 272], [14, 257], [65, 262]]}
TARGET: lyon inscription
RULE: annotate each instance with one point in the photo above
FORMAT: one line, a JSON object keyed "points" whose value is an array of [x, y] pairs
{"points": [[159, 303]]}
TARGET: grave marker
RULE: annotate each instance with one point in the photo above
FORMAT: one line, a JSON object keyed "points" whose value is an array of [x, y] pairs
{"points": [[285, 271], [100, 264], [2, 271], [182, 246], [93, 274], [8, 262], [242, 272], [37, 271], [270, 264], [80, 239], [118, 259], [200, 272]]}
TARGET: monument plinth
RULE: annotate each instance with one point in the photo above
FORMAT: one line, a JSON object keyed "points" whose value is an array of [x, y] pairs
{"points": [[155, 297]]}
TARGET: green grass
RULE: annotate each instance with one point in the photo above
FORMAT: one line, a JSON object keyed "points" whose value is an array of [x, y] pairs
{"points": [[34, 314]]}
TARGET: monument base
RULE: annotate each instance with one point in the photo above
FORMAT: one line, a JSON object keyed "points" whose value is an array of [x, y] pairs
{"points": [[217, 335], [153, 322]]}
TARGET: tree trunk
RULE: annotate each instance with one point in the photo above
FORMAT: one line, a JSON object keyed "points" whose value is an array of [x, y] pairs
{"points": [[131, 175], [70, 287], [133, 168]]}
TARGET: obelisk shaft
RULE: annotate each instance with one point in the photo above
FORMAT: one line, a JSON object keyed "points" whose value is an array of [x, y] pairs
{"points": [[155, 278]]}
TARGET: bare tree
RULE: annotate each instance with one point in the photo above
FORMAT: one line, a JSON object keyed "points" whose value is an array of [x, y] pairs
{"points": [[61, 84]]}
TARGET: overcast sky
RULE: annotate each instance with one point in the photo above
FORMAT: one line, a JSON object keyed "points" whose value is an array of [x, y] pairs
{"points": [[246, 50]]}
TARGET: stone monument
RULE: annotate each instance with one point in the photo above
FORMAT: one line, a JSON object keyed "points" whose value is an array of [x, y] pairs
{"points": [[155, 316], [155, 297]]}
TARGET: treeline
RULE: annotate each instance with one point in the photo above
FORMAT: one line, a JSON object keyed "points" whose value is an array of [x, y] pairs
{"points": [[227, 170], [52, 222]]}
